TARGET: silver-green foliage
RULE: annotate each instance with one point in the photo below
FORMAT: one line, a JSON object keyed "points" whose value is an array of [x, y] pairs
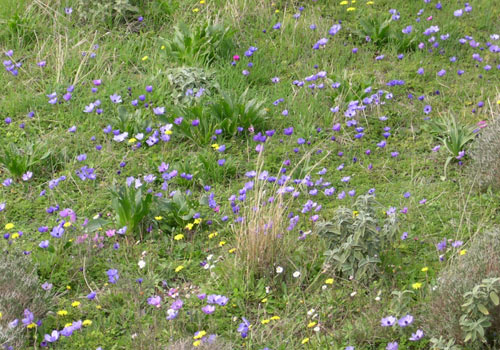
{"points": [[357, 238], [19, 290], [485, 155], [463, 274], [480, 303]]}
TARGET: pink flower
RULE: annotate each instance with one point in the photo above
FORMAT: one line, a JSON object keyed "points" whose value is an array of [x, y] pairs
{"points": [[236, 57], [110, 233]]}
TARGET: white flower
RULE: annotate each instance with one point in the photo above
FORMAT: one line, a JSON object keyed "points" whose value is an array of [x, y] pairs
{"points": [[353, 294], [210, 257], [296, 274], [324, 286], [316, 329], [377, 299], [142, 264], [279, 269], [268, 290], [310, 312]]}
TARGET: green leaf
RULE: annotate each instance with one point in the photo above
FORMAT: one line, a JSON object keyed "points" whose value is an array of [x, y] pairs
{"points": [[483, 309], [494, 298]]}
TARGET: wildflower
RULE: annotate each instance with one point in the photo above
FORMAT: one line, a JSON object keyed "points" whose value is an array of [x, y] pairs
{"points": [[425, 269], [329, 281], [311, 324], [112, 275], [266, 321], [141, 264], [305, 340], [178, 237], [416, 285], [208, 309], [9, 226], [419, 334], [86, 323], [155, 301], [62, 313], [463, 252], [405, 321], [53, 337], [392, 346], [75, 304], [388, 321], [296, 274], [179, 268]]}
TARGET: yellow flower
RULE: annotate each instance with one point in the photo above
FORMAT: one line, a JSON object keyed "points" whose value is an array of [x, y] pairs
{"points": [[62, 312], [355, 213], [463, 252], [144, 58], [132, 140], [0, 315], [221, 243], [264, 300], [202, 2], [266, 321], [75, 304], [162, 47], [178, 268], [31, 325], [158, 218], [86, 323], [68, 287], [305, 340], [68, 324], [212, 235], [67, 224], [344, 3], [311, 324], [275, 318], [98, 307], [179, 237], [351, 9], [416, 285], [329, 281], [425, 269], [215, 146], [276, 11], [200, 335], [197, 343], [232, 250], [15, 235], [196, 9], [370, 3], [9, 226], [197, 221], [189, 226], [168, 132]]}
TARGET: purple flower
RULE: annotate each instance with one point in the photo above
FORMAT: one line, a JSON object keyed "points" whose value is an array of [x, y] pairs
{"points": [[53, 337], [47, 286], [28, 317], [458, 13], [392, 346], [427, 109], [419, 334], [155, 301], [159, 110], [405, 321], [115, 98], [208, 309], [44, 244], [112, 275], [388, 321], [177, 304], [91, 295]]}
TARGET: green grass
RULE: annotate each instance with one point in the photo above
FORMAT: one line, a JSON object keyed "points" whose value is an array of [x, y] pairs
{"points": [[129, 56]]}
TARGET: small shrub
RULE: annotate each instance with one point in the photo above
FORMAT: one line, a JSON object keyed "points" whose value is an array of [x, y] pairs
{"points": [[132, 123], [186, 85], [356, 239], [131, 206], [199, 46], [460, 276], [231, 112], [20, 159], [19, 290], [454, 136], [176, 211], [485, 154], [110, 12]]}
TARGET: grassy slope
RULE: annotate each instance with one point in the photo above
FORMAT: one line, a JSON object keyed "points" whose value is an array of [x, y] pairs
{"points": [[452, 209]]}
